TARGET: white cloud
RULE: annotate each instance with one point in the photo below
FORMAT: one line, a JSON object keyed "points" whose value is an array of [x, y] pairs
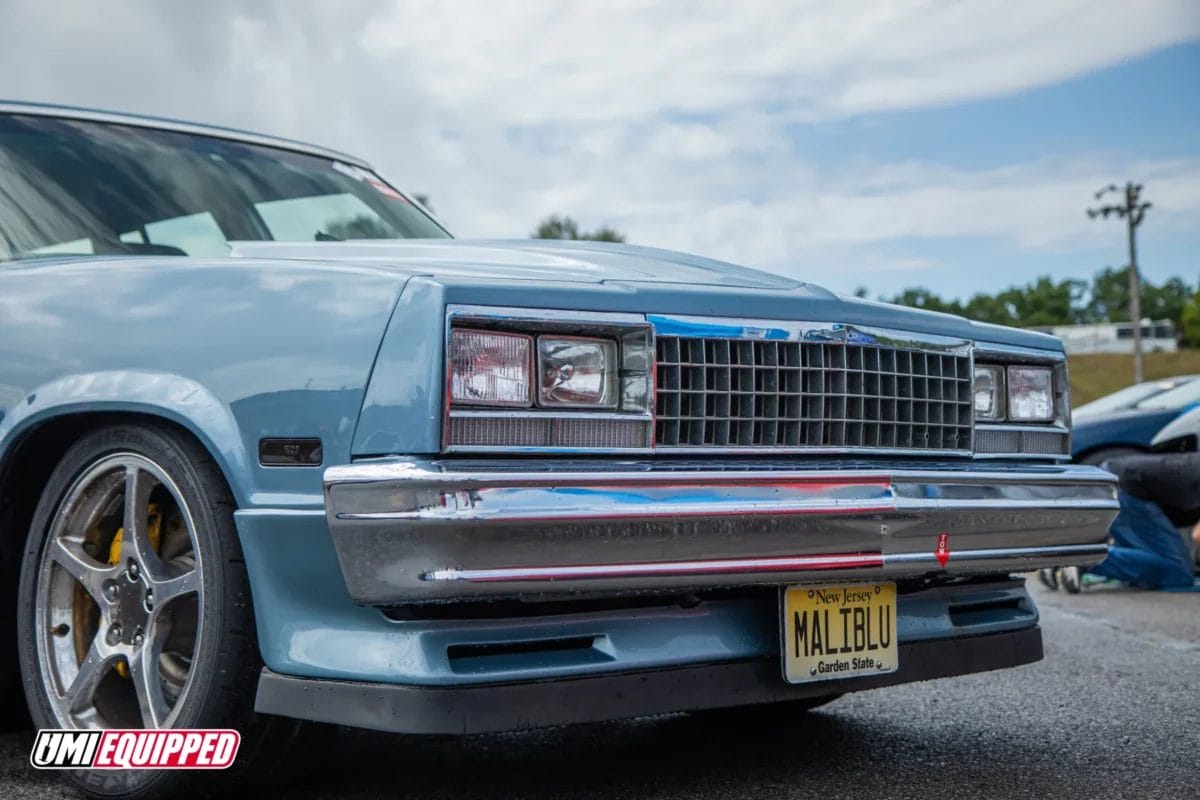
{"points": [[667, 121], [624, 59]]}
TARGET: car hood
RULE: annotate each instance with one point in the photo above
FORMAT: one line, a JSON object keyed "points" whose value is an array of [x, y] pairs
{"points": [[533, 259], [1133, 427], [540, 272]]}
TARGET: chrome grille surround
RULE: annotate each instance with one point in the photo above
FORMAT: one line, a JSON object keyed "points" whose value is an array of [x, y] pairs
{"points": [[837, 388]]}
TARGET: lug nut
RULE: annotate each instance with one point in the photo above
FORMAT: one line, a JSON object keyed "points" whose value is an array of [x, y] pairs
{"points": [[138, 638], [148, 600], [114, 634], [132, 571], [111, 592]]}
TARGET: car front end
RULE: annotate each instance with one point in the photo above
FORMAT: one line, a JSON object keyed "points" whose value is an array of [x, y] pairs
{"points": [[267, 432], [635, 513]]}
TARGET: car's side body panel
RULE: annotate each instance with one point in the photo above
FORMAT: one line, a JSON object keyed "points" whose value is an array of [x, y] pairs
{"points": [[233, 350]]}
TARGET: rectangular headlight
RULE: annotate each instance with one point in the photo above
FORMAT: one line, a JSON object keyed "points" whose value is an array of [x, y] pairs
{"points": [[577, 372], [490, 369], [988, 391], [1030, 394]]}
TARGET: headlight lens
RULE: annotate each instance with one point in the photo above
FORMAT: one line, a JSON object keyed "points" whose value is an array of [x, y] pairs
{"points": [[1030, 394], [577, 371], [989, 393], [490, 369]]}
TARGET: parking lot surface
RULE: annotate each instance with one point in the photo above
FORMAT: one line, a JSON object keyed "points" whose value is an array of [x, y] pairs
{"points": [[1112, 712]]}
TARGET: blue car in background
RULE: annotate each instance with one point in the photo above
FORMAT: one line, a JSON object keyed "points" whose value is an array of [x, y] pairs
{"points": [[1126, 422]]}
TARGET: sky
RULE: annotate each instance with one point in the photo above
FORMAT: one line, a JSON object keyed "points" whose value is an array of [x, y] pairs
{"points": [[948, 144]]}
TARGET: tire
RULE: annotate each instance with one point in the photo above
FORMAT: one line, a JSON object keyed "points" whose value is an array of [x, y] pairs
{"points": [[190, 660], [1096, 458]]}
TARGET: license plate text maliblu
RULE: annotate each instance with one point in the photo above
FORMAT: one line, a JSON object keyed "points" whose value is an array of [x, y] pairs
{"points": [[860, 628]]}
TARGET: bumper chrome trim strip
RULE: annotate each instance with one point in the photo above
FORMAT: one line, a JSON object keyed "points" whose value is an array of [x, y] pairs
{"points": [[747, 566], [730, 566]]}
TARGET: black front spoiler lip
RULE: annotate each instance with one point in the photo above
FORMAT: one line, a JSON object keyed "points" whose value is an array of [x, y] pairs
{"points": [[517, 706]]}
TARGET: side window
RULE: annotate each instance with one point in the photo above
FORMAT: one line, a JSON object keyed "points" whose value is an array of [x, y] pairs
{"points": [[332, 216]]}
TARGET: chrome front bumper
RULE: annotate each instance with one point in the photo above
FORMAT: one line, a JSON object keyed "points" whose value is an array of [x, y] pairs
{"points": [[411, 531]]}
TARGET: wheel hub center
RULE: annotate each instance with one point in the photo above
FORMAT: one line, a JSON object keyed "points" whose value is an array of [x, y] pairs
{"points": [[128, 609]]}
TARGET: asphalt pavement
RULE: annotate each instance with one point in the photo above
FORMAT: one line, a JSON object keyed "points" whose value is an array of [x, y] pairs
{"points": [[1112, 712]]}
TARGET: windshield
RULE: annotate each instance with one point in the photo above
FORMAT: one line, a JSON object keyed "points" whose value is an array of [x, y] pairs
{"points": [[1128, 397], [1182, 396], [68, 186]]}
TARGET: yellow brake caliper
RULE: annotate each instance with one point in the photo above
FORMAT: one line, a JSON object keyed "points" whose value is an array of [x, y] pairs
{"points": [[154, 534]]}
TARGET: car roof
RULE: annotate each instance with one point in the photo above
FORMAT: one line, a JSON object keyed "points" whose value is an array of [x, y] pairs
{"points": [[166, 124]]}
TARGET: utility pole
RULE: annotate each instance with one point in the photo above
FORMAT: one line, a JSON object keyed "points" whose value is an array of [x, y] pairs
{"points": [[1132, 212]]}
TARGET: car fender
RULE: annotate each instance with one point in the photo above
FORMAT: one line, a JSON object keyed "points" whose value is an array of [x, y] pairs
{"points": [[160, 394], [234, 350]]}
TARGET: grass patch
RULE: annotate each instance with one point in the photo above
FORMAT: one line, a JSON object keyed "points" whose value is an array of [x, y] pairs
{"points": [[1094, 376]]}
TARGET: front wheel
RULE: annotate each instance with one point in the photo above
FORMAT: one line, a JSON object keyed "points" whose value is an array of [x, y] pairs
{"points": [[134, 605]]}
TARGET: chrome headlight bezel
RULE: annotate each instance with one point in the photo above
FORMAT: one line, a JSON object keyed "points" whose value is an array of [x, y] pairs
{"points": [[1014, 436], [1006, 380], [616, 419]]}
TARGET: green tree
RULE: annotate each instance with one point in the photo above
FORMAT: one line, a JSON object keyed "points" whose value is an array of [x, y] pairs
{"points": [[1109, 296], [1166, 301], [990, 308], [563, 227], [921, 297], [1045, 302], [1190, 321]]}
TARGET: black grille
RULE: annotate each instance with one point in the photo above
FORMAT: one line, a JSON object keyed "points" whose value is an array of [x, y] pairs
{"points": [[742, 393]]}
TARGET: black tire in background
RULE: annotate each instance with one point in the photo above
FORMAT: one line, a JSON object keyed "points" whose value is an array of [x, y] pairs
{"points": [[1096, 458], [225, 663]]}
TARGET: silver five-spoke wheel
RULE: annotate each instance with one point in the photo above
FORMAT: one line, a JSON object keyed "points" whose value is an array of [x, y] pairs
{"points": [[135, 611], [119, 605]]}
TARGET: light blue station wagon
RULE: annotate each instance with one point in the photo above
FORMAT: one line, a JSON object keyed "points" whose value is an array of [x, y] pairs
{"points": [[276, 450]]}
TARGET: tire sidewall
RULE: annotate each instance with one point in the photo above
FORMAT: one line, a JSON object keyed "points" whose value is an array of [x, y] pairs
{"points": [[213, 525]]}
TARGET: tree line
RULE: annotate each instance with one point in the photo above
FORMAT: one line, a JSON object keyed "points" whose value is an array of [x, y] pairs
{"points": [[1071, 301]]}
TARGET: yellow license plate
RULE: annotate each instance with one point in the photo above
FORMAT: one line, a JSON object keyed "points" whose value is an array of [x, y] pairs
{"points": [[839, 631]]}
